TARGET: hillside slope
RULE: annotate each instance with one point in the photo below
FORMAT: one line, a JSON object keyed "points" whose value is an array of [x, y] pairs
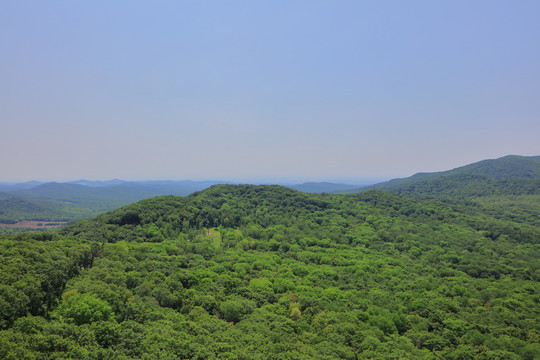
{"points": [[13, 209], [509, 175]]}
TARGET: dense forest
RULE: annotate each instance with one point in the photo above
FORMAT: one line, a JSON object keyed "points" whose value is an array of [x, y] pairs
{"points": [[267, 272]]}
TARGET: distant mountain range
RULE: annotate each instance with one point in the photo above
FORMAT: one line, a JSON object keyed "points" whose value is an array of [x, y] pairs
{"points": [[322, 187], [98, 183]]}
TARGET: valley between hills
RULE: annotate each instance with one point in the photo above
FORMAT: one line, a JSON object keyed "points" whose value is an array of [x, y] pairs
{"points": [[435, 266]]}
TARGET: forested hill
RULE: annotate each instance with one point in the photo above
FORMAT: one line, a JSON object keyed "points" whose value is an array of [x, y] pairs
{"points": [[509, 175], [267, 272], [234, 206]]}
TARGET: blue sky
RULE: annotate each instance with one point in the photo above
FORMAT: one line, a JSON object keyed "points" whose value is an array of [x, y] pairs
{"points": [[264, 89]]}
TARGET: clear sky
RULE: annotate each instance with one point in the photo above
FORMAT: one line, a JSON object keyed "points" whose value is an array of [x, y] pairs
{"points": [[264, 89]]}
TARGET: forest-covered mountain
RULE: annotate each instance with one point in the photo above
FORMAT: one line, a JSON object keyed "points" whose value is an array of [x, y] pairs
{"points": [[509, 175], [267, 272]]}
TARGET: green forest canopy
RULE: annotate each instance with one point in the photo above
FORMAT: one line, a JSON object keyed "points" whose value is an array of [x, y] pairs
{"points": [[266, 272]]}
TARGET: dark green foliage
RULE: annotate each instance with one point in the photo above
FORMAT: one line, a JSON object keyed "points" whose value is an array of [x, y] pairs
{"points": [[34, 270], [266, 272]]}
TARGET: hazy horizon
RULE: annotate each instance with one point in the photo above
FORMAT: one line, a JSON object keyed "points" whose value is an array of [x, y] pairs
{"points": [[366, 180], [264, 90], [255, 181]]}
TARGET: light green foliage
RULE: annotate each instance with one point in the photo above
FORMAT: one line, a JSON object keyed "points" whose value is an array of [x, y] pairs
{"points": [[85, 309]]}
